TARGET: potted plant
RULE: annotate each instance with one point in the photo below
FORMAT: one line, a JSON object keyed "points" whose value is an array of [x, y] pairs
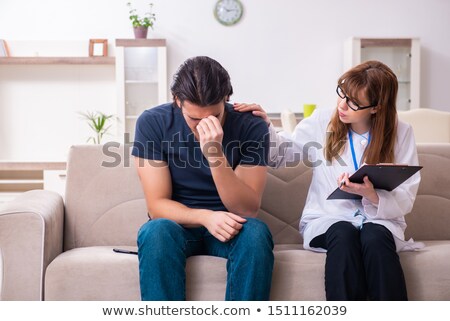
{"points": [[99, 123], [141, 23]]}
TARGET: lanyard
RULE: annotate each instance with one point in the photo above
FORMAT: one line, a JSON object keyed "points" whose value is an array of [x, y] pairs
{"points": [[352, 148]]}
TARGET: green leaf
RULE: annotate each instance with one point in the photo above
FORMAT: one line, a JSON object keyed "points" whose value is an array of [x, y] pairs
{"points": [[99, 123], [141, 21]]}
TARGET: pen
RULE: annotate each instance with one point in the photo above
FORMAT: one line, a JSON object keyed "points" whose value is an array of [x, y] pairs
{"points": [[342, 183]]}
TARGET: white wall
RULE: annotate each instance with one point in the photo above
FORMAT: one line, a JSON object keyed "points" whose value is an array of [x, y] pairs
{"points": [[40, 104], [282, 54]]}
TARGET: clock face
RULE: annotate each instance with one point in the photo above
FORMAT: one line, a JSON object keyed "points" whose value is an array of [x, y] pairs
{"points": [[228, 12]]}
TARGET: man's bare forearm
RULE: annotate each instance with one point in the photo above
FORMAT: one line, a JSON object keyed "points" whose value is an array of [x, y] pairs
{"points": [[177, 212], [239, 192], [238, 197]]}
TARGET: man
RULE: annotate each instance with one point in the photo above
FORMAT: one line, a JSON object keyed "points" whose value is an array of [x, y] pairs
{"points": [[203, 170]]}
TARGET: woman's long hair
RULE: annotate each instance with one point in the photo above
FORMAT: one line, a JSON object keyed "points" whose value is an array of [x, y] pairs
{"points": [[380, 86]]}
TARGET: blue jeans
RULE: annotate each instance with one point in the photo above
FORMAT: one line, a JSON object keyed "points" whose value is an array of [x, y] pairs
{"points": [[165, 245]]}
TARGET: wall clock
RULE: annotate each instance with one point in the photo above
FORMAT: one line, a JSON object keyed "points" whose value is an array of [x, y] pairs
{"points": [[228, 12]]}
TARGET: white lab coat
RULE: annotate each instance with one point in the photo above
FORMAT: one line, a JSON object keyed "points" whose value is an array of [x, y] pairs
{"points": [[319, 213]]}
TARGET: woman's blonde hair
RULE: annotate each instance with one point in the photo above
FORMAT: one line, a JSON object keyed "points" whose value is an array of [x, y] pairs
{"points": [[380, 86]]}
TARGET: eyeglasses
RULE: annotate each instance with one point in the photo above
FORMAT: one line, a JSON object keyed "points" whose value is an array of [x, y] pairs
{"points": [[350, 103]]}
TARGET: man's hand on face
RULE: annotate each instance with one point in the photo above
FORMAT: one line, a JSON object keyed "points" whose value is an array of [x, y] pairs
{"points": [[210, 134], [224, 225]]}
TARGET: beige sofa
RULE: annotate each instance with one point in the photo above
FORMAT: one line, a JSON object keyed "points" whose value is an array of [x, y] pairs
{"points": [[104, 208], [430, 125]]}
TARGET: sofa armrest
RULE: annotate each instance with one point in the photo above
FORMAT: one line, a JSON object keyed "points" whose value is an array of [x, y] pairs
{"points": [[31, 236]]}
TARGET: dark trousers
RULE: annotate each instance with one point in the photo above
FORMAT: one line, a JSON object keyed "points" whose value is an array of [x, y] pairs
{"points": [[361, 264]]}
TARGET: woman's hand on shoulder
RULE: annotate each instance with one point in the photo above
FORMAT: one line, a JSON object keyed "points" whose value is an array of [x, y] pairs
{"points": [[256, 110]]}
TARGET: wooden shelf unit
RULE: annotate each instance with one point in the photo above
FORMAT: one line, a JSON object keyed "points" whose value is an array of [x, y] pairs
{"points": [[31, 166], [140, 42], [57, 61], [19, 177], [141, 77]]}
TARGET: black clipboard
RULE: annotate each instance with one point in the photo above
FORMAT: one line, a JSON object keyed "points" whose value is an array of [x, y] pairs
{"points": [[382, 176]]}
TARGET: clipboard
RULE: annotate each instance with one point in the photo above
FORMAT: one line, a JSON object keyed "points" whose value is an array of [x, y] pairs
{"points": [[382, 176]]}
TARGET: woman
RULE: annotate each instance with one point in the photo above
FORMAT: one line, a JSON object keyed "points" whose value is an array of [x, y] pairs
{"points": [[361, 237]]}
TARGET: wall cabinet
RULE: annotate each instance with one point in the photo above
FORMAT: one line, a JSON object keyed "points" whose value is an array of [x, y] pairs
{"points": [[402, 55], [141, 78]]}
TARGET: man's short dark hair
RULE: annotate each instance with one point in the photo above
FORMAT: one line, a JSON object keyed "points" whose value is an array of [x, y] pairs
{"points": [[201, 81]]}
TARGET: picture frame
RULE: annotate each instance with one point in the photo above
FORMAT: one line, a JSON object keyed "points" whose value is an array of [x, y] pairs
{"points": [[98, 47], [4, 51]]}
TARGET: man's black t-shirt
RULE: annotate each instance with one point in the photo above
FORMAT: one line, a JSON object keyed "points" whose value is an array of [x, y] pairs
{"points": [[163, 134]]}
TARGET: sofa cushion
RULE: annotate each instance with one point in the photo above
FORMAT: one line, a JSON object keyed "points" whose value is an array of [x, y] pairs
{"points": [[427, 272], [283, 201], [104, 199], [298, 274], [430, 216], [92, 273], [98, 273]]}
